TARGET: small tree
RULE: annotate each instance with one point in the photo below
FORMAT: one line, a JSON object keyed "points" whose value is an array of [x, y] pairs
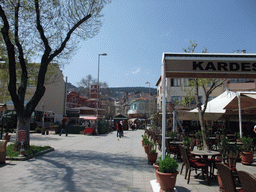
{"points": [[207, 85], [44, 29]]}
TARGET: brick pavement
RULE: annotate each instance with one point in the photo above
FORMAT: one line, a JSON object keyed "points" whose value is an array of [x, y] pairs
{"points": [[91, 163]]}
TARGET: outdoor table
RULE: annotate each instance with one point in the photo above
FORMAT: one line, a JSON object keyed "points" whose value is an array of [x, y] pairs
{"points": [[205, 154]]}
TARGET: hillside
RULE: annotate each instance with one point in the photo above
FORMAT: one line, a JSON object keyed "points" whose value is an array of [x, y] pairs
{"points": [[118, 92]]}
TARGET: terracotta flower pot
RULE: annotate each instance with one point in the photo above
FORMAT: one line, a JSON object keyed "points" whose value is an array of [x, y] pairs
{"points": [[247, 158], [156, 169], [167, 181], [142, 143], [152, 158], [221, 188], [146, 148]]}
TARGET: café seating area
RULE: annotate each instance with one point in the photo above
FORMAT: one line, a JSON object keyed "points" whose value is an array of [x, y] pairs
{"points": [[219, 160]]}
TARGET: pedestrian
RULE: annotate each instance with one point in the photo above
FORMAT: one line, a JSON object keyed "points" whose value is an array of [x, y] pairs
{"points": [[119, 129], [63, 127], [122, 128]]}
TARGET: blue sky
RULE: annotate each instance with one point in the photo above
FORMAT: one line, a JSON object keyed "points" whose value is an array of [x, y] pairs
{"points": [[136, 33]]}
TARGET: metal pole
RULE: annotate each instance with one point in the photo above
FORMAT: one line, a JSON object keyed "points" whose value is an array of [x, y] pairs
{"points": [[163, 111], [65, 98], [97, 112], [240, 115], [174, 120]]}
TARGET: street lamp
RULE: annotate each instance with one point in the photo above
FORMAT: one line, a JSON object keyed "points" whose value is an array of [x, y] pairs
{"points": [[148, 86], [97, 113], [149, 96]]}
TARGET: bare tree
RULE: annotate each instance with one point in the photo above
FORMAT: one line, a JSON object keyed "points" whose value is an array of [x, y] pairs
{"points": [[45, 28], [207, 85]]}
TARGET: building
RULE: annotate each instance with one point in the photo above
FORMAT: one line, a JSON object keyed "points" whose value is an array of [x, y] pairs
{"points": [[53, 98]]}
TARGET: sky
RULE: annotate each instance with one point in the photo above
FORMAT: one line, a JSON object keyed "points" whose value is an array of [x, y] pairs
{"points": [[136, 33]]}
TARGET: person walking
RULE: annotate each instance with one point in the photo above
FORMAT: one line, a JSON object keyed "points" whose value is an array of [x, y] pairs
{"points": [[119, 129], [63, 125]]}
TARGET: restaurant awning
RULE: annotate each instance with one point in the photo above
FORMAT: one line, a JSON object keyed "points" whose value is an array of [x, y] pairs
{"points": [[88, 117]]}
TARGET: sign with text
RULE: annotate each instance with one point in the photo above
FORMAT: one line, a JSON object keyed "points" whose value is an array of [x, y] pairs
{"points": [[22, 135], [210, 65]]}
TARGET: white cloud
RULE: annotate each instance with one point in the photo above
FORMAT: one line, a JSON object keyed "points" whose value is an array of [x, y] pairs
{"points": [[135, 71]]}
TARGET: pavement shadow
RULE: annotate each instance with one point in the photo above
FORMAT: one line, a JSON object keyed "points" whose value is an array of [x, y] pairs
{"points": [[88, 170]]}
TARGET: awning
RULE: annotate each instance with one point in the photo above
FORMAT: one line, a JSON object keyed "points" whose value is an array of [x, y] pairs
{"points": [[132, 120], [88, 117]]}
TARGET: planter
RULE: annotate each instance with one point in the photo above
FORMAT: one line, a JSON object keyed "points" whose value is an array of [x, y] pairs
{"points": [[146, 148], [167, 181], [7, 137], [247, 158], [152, 158], [142, 143], [221, 188], [156, 169]]}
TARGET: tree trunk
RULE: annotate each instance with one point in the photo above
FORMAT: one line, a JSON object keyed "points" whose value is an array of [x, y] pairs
{"points": [[23, 124], [203, 130]]}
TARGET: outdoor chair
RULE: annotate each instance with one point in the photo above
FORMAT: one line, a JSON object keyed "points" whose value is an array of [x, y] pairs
{"points": [[154, 137], [227, 178], [247, 180], [193, 164], [172, 149], [3, 144]]}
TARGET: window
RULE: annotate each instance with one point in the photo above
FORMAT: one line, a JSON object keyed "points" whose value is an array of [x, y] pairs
{"points": [[175, 82], [240, 80], [200, 100], [176, 99], [134, 107]]}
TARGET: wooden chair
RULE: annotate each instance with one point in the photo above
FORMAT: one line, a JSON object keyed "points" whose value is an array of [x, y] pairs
{"points": [[247, 180], [3, 144], [227, 178], [172, 149], [193, 164]]}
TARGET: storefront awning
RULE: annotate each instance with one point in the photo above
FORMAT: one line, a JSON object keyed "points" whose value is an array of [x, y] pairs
{"points": [[88, 117]]}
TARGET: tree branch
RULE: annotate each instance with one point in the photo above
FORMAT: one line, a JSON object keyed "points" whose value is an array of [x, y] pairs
{"points": [[63, 44], [11, 57], [24, 74]]}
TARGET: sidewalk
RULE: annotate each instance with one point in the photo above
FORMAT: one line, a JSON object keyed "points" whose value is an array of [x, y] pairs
{"points": [[91, 163]]}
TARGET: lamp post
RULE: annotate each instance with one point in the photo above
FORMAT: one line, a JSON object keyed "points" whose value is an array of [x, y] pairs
{"points": [[97, 111], [149, 95]]}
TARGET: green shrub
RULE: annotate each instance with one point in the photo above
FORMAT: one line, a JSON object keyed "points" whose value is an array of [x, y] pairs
{"points": [[38, 130], [168, 165]]}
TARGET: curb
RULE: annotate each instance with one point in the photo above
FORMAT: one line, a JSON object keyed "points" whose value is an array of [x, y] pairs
{"points": [[24, 158]]}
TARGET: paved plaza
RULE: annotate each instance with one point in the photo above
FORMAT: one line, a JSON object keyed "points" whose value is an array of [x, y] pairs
{"points": [[92, 163]]}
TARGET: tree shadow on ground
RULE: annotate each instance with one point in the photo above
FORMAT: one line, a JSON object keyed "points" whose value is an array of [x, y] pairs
{"points": [[88, 171]]}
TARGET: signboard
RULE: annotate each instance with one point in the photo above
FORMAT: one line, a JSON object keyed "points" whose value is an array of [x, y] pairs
{"points": [[210, 65], [22, 135]]}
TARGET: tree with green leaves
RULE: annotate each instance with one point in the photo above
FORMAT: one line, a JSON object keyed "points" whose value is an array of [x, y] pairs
{"points": [[45, 29], [207, 85]]}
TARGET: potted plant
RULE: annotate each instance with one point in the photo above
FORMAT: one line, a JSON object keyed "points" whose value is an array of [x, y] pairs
{"points": [[167, 173], [198, 136], [187, 142], [146, 145], [156, 166], [144, 137], [173, 134], [7, 137], [152, 155], [247, 151]]}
